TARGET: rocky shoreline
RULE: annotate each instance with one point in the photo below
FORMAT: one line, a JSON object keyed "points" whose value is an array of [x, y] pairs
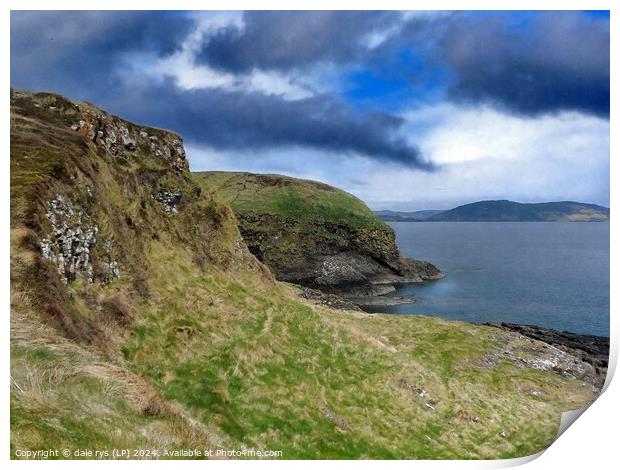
{"points": [[589, 348], [581, 356], [356, 303], [374, 286], [370, 301], [330, 300]]}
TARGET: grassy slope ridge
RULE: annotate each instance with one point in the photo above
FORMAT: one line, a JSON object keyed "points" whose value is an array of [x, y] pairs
{"points": [[195, 344], [303, 200], [303, 229], [313, 207], [568, 211]]}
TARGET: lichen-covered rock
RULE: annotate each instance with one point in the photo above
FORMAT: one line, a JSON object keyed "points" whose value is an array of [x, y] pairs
{"points": [[118, 137], [110, 134], [589, 348], [71, 241], [170, 200], [526, 352]]}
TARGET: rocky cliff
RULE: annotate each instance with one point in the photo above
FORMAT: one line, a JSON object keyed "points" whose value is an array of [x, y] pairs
{"points": [[94, 192], [315, 235], [141, 321]]}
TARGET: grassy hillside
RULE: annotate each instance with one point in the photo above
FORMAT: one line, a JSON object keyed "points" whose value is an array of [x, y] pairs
{"points": [[174, 336], [316, 218], [509, 211], [303, 200]]}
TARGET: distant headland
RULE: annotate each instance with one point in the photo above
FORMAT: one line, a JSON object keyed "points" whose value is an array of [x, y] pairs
{"points": [[505, 211]]}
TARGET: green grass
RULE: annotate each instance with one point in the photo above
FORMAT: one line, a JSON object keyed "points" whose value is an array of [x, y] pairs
{"points": [[301, 200], [266, 387], [218, 354], [59, 401], [307, 217]]}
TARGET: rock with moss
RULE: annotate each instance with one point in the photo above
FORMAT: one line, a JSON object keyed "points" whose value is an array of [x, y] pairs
{"points": [[316, 235]]}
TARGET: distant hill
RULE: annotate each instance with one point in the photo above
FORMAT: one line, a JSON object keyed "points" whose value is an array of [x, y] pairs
{"points": [[509, 211], [397, 216]]}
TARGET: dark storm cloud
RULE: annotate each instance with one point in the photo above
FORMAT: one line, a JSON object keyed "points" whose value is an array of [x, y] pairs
{"points": [[539, 63], [526, 62], [548, 62], [237, 120], [79, 53], [76, 51], [289, 39]]}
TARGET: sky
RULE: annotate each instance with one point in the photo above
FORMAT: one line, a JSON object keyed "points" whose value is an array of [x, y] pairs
{"points": [[407, 110]]}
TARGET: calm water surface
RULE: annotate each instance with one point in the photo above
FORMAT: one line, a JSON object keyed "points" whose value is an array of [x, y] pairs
{"points": [[553, 274]]}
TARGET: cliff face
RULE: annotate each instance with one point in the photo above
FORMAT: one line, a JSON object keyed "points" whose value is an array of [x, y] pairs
{"points": [[93, 193], [315, 235], [107, 229], [140, 320]]}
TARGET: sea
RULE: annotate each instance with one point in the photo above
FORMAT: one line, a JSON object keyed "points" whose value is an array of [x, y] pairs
{"points": [[550, 274]]}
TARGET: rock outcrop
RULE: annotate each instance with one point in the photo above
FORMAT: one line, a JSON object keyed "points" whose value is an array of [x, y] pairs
{"points": [[122, 139], [68, 245], [93, 190], [49, 130], [316, 235], [591, 349]]}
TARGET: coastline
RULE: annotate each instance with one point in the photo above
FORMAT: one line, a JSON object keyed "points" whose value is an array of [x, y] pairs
{"points": [[592, 349], [580, 356]]}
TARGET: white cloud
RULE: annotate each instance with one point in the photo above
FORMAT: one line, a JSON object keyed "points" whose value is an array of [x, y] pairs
{"points": [[275, 83], [450, 134], [483, 153], [376, 38], [486, 154]]}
